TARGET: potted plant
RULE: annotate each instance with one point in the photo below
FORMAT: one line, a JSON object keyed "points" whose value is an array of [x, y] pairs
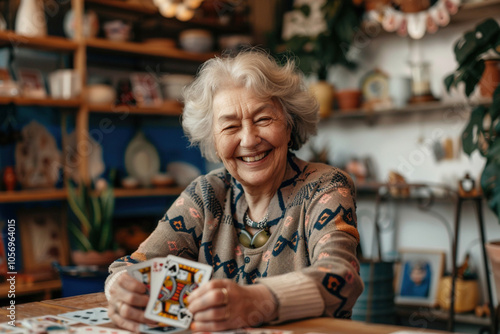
{"points": [[320, 35], [483, 128], [91, 224]]}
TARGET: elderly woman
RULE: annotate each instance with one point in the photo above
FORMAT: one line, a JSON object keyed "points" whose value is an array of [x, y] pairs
{"points": [[279, 232]]}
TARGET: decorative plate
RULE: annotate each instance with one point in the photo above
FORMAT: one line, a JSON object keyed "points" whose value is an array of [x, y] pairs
{"points": [[183, 172], [38, 159], [141, 159]]}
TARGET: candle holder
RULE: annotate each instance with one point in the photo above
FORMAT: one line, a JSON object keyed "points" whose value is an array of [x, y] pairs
{"points": [[421, 83]]}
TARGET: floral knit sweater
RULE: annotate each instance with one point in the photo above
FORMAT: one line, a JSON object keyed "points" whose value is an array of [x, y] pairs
{"points": [[309, 261]]}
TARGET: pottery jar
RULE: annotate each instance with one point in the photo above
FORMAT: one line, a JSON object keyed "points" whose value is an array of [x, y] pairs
{"points": [[490, 78], [9, 178], [30, 19]]}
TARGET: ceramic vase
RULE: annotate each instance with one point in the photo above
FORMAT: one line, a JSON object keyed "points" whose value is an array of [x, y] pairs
{"points": [[30, 19], [348, 99], [324, 93], [490, 78], [9, 178]]}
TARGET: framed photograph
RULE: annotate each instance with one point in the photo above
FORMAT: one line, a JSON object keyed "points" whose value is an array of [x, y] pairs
{"points": [[418, 277], [31, 82], [146, 89], [44, 239]]}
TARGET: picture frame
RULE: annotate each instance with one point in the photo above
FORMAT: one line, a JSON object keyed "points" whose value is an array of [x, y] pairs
{"points": [[44, 239], [418, 277], [146, 89], [31, 83]]}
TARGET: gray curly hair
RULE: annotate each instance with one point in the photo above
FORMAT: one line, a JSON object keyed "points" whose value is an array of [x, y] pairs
{"points": [[258, 71]]}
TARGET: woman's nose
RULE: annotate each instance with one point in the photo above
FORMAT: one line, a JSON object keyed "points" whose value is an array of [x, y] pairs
{"points": [[250, 137]]}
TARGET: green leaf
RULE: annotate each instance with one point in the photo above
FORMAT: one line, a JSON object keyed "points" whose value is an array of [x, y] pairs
{"points": [[476, 42], [486, 31], [494, 152], [472, 129], [82, 241], [97, 214], [472, 75], [490, 183], [77, 205], [448, 81]]}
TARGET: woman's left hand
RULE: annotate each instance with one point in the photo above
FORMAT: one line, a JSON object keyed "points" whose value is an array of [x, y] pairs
{"points": [[221, 304]]}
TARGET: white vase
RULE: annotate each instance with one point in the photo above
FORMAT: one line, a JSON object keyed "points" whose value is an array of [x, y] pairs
{"points": [[30, 19]]}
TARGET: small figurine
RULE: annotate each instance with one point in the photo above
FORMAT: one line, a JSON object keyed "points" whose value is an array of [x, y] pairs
{"points": [[398, 186], [467, 187], [124, 95]]}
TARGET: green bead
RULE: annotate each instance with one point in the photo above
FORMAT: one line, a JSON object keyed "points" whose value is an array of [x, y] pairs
{"points": [[260, 238], [245, 238]]}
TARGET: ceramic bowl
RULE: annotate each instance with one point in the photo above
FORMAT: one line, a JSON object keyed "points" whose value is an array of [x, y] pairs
{"points": [[234, 42], [130, 182], [173, 84], [117, 30], [162, 180], [196, 40], [100, 94]]}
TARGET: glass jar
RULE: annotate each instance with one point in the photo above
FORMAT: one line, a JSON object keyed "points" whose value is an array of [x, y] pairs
{"points": [[420, 79]]}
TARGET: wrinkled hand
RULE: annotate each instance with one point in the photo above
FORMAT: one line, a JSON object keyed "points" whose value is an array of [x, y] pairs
{"points": [[222, 304], [127, 303]]}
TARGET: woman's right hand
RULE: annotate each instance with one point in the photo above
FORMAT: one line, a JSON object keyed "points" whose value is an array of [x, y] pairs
{"points": [[128, 299]]}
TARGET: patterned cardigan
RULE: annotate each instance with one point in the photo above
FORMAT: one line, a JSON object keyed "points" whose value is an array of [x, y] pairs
{"points": [[309, 262]]}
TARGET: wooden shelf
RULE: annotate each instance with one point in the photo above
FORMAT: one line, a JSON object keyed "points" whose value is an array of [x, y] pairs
{"points": [[49, 43], [145, 49], [141, 6], [31, 288], [61, 194], [441, 315], [371, 115], [168, 108], [48, 102], [472, 11], [33, 195], [147, 192]]}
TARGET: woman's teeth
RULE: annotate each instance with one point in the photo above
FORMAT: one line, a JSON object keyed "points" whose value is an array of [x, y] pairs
{"points": [[254, 158]]}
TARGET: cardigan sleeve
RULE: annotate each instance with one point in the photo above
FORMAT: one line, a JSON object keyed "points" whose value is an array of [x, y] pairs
{"points": [[178, 233], [331, 285]]}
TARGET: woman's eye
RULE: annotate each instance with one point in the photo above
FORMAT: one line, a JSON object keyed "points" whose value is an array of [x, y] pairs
{"points": [[264, 120], [230, 127]]}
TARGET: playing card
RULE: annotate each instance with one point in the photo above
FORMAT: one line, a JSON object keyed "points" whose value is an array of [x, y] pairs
{"points": [[143, 328], [92, 316], [168, 302], [148, 272], [266, 331], [54, 319], [99, 330], [41, 324], [5, 328]]}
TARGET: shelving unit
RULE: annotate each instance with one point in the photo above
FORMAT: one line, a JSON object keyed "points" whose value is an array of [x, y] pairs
{"points": [[78, 50], [145, 49], [372, 116], [48, 43], [167, 108]]}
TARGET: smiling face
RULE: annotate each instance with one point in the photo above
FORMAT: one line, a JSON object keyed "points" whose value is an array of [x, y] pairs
{"points": [[251, 137]]}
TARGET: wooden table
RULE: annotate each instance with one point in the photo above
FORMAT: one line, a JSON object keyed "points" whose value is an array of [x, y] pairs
{"points": [[316, 325]]}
